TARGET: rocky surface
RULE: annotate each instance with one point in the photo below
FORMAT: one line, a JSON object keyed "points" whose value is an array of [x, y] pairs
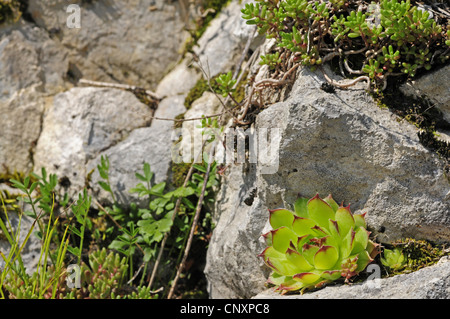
{"points": [[427, 283], [132, 42], [340, 143], [425, 86], [80, 124], [148, 144]]}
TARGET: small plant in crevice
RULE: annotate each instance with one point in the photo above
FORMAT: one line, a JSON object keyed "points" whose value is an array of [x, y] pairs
{"points": [[317, 243], [140, 231], [409, 254], [393, 259], [374, 40]]}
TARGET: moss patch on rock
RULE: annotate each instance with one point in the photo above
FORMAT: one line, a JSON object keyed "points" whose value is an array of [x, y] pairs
{"points": [[10, 10], [421, 113], [418, 254]]}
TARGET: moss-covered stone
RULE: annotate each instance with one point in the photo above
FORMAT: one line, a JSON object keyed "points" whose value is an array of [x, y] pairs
{"points": [[179, 173], [10, 10], [418, 112], [418, 254], [197, 91]]}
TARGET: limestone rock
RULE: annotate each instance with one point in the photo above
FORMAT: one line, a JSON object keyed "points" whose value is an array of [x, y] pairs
{"points": [[432, 282], [132, 42], [19, 133], [220, 47], [41, 63], [340, 143], [435, 87], [148, 144], [80, 124]]}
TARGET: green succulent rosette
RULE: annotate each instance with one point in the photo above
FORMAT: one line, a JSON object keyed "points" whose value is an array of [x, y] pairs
{"points": [[317, 243]]}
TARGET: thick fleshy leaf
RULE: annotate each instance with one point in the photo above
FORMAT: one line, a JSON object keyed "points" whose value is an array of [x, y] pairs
{"points": [[298, 260], [307, 278], [319, 231], [281, 217], [282, 237], [301, 241], [330, 201], [268, 238], [360, 220], [331, 241], [361, 240], [272, 253], [333, 227], [303, 226], [331, 274], [278, 262], [326, 257], [290, 285], [320, 211], [373, 249], [300, 207], [278, 279], [308, 251], [345, 220], [363, 260], [346, 246]]}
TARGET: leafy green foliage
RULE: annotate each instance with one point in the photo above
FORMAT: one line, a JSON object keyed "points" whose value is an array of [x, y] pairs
{"points": [[272, 60], [226, 83], [317, 243], [381, 39], [142, 229], [80, 211], [136, 234]]}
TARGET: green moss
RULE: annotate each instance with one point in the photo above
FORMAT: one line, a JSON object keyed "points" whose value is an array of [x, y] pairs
{"points": [[197, 91], [212, 8], [10, 10], [418, 254], [239, 94], [17, 175]]}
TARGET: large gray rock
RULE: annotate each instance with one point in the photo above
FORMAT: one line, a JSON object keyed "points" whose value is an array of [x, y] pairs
{"points": [[148, 144], [132, 42], [221, 46], [80, 124], [427, 283], [433, 86], [19, 133], [42, 62], [27, 77], [340, 143]]}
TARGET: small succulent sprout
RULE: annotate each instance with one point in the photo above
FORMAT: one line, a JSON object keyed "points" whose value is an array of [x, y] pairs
{"points": [[226, 83], [393, 259], [317, 243]]}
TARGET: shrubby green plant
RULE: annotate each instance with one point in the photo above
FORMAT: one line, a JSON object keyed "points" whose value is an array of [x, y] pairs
{"points": [[144, 228], [379, 39], [317, 243], [226, 83]]}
